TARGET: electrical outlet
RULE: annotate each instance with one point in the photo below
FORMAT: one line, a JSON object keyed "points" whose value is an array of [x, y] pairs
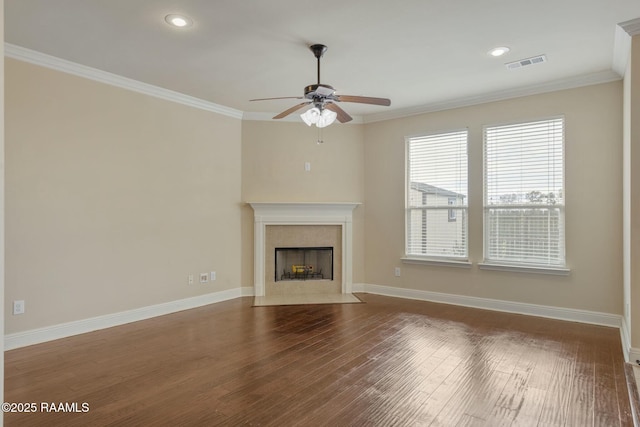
{"points": [[204, 277], [191, 279], [18, 307], [307, 166], [212, 276], [397, 272]]}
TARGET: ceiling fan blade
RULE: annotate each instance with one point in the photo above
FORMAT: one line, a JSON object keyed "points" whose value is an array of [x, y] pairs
{"points": [[285, 113], [282, 97], [343, 117], [363, 100]]}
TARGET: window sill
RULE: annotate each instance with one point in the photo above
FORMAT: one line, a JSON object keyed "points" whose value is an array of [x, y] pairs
{"points": [[434, 261], [558, 271]]}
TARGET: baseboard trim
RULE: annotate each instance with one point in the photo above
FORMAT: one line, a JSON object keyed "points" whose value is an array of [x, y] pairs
{"points": [[560, 313], [625, 337], [358, 287], [49, 333], [633, 356], [63, 330]]}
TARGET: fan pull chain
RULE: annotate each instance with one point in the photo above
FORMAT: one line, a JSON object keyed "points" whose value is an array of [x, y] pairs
{"points": [[319, 141]]}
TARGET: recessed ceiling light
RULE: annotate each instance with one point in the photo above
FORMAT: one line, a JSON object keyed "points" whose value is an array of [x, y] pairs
{"points": [[499, 51], [178, 20]]}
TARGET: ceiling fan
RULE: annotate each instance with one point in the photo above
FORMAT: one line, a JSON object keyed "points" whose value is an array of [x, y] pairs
{"points": [[324, 98]]}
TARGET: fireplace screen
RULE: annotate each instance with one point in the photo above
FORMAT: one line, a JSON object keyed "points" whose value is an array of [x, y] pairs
{"points": [[304, 264]]}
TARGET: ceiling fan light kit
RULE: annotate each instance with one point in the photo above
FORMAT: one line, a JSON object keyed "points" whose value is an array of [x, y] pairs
{"points": [[323, 99], [313, 116]]}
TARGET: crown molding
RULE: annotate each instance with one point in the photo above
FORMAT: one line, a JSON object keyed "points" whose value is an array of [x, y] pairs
{"points": [[58, 64], [622, 44], [631, 27], [621, 51], [562, 84]]}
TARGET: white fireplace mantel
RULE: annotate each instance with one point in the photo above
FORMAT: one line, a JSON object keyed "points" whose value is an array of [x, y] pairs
{"points": [[288, 213]]}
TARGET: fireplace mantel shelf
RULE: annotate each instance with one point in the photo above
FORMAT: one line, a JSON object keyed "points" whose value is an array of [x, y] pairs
{"points": [[288, 209], [304, 203]]}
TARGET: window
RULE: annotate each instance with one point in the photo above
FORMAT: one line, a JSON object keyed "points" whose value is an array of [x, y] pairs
{"points": [[436, 201], [524, 194]]}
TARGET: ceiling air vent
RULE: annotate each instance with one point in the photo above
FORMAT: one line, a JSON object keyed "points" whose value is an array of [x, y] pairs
{"points": [[526, 62]]}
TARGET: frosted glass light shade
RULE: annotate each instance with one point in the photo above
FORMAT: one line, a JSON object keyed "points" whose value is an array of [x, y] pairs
{"points": [[314, 116], [311, 116], [326, 118]]}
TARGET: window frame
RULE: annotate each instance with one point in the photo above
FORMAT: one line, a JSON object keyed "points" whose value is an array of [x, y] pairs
{"points": [[508, 265], [433, 259]]}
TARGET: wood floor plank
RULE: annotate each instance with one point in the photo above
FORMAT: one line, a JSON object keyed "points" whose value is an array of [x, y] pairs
{"points": [[581, 394], [387, 362], [327, 381]]}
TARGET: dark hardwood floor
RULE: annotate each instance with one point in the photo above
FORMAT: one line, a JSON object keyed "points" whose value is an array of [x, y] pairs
{"points": [[386, 362]]}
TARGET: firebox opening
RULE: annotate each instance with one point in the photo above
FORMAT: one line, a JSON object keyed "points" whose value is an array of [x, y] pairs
{"points": [[314, 263]]}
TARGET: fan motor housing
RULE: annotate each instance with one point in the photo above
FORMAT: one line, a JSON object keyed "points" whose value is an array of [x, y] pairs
{"points": [[318, 91]]}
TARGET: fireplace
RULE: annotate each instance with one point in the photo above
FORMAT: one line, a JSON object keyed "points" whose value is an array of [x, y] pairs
{"points": [[298, 226], [304, 279], [312, 263]]}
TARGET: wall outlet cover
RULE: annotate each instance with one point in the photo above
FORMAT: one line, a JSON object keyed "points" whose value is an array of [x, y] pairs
{"points": [[18, 307]]}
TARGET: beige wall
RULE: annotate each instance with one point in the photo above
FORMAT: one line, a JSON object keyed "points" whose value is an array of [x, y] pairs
{"points": [[273, 158], [593, 204], [113, 198]]}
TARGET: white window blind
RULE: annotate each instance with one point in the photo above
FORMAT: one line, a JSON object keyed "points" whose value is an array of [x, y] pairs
{"points": [[524, 193], [436, 210]]}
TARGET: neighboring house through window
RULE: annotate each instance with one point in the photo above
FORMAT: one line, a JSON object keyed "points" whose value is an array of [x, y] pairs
{"points": [[452, 212], [436, 201]]}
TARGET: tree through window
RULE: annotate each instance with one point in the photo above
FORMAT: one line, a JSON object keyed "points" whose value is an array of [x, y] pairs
{"points": [[524, 193]]}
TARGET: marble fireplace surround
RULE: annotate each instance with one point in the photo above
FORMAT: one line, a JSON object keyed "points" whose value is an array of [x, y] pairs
{"points": [[289, 213]]}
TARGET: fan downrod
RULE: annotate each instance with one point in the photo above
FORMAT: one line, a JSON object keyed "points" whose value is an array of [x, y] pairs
{"points": [[318, 50]]}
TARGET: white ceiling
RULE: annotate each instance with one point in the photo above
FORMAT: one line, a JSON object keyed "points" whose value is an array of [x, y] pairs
{"points": [[418, 53]]}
